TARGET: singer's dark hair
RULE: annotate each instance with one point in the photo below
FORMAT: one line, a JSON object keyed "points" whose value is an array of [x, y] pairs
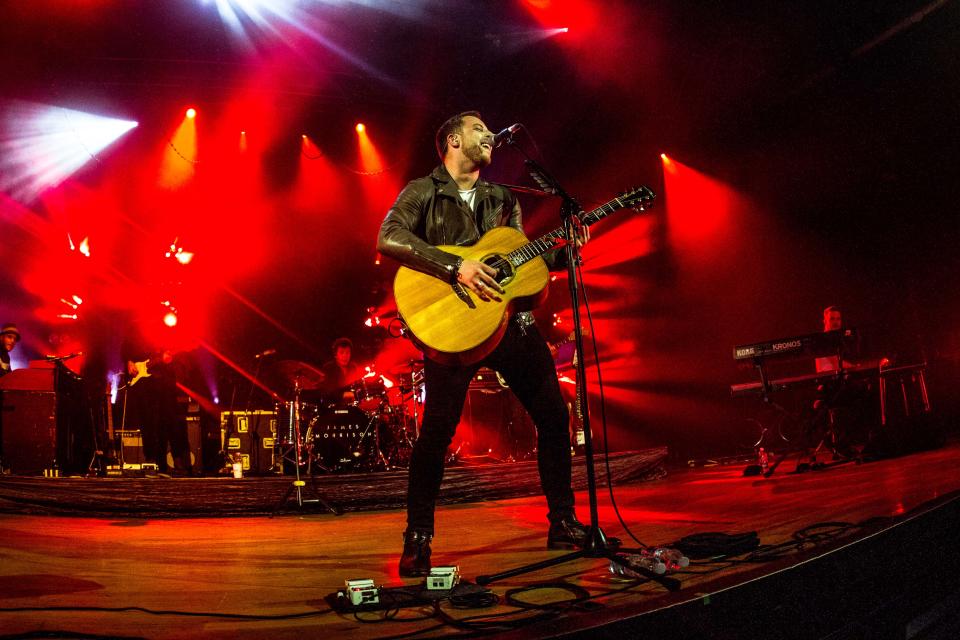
{"points": [[452, 125], [341, 342]]}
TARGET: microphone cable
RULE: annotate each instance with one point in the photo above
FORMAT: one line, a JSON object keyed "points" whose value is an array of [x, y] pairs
{"points": [[603, 409]]}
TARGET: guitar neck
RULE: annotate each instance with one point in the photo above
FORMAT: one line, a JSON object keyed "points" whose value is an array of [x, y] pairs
{"points": [[548, 241]]}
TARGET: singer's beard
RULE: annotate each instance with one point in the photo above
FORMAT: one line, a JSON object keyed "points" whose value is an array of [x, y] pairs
{"points": [[475, 155]]}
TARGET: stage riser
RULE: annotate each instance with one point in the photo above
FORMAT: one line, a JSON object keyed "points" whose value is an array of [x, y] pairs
{"points": [[259, 495]]}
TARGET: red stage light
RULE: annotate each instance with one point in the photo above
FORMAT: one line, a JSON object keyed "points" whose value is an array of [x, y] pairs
{"points": [[664, 157], [698, 207], [361, 127], [191, 113], [170, 319]]}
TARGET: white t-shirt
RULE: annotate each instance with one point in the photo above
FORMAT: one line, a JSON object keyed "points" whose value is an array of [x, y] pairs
{"points": [[470, 197]]}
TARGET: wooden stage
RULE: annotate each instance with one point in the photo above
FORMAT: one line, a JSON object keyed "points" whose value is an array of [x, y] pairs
{"points": [[86, 575]]}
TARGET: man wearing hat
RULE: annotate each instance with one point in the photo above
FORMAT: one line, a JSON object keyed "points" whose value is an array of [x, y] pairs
{"points": [[10, 337]]}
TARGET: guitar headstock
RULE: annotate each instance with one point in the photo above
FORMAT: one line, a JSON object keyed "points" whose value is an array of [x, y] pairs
{"points": [[639, 198]]}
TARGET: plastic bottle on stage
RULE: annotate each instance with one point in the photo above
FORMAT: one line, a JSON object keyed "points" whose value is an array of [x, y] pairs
{"points": [[638, 560], [764, 459], [673, 559]]}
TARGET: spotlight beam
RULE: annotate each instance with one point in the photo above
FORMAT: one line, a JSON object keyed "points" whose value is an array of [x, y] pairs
{"points": [[263, 314], [243, 372], [43, 145]]}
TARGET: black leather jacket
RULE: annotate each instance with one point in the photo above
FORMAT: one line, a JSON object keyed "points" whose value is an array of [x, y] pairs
{"points": [[430, 212]]}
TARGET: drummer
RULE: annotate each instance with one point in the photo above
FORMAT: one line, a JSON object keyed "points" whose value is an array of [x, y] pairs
{"points": [[341, 373]]}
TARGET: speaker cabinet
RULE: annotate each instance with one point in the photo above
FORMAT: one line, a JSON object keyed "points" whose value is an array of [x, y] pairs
{"points": [[252, 436], [29, 425], [195, 442]]}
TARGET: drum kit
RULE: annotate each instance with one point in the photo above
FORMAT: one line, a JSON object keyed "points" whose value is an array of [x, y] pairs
{"points": [[371, 426]]}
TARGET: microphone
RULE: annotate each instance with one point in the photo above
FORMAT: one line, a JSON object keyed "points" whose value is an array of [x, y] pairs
{"points": [[264, 354], [506, 134]]}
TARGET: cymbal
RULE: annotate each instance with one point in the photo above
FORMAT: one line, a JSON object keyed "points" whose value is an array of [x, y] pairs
{"points": [[294, 372], [407, 367]]}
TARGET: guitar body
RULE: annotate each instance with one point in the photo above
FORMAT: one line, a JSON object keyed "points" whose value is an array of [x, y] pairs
{"points": [[460, 328], [142, 372], [454, 326]]}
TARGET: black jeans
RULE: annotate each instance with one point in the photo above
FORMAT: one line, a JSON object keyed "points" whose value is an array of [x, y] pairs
{"points": [[524, 360]]}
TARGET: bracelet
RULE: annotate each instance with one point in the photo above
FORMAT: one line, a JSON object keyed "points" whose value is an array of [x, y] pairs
{"points": [[456, 270]]}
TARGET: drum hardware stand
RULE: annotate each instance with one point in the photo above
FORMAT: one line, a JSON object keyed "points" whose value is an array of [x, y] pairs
{"points": [[379, 459], [298, 485], [595, 545], [416, 382]]}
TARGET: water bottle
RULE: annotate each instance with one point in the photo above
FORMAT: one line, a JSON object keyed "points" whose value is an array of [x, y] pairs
{"points": [[642, 561], [673, 559], [764, 459]]}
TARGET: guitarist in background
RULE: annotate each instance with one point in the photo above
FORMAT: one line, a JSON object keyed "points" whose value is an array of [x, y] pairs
{"points": [[454, 206], [151, 405]]}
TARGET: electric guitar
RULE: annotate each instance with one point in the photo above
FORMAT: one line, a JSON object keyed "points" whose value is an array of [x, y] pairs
{"points": [[451, 324], [142, 367], [142, 371]]}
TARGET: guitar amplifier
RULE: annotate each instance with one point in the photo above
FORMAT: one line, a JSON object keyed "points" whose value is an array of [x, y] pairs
{"points": [[131, 443], [251, 435], [195, 446], [494, 424]]}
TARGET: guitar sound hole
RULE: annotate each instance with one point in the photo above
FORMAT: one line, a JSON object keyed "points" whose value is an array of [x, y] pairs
{"points": [[503, 267]]}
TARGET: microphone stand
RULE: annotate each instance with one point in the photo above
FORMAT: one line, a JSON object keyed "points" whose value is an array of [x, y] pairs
{"points": [[254, 426], [595, 545]]}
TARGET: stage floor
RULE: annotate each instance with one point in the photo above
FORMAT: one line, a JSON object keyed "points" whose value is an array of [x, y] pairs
{"points": [[261, 566]]}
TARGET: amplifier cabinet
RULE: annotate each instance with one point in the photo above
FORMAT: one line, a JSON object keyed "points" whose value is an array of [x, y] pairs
{"points": [[252, 436], [29, 425]]}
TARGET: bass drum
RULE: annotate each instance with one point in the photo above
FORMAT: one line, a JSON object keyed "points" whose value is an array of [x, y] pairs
{"points": [[343, 438]]}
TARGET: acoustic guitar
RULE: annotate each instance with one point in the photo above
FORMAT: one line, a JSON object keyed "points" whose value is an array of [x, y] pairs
{"points": [[451, 324]]}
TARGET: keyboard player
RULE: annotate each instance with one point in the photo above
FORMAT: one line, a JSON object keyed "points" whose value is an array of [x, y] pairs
{"points": [[832, 321], [842, 403]]}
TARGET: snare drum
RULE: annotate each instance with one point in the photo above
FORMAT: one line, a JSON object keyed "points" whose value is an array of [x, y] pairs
{"points": [[369, 393]]}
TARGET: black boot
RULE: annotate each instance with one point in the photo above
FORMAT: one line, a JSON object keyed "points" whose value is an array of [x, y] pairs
{"points": [[567, 532], [415, 560]]}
